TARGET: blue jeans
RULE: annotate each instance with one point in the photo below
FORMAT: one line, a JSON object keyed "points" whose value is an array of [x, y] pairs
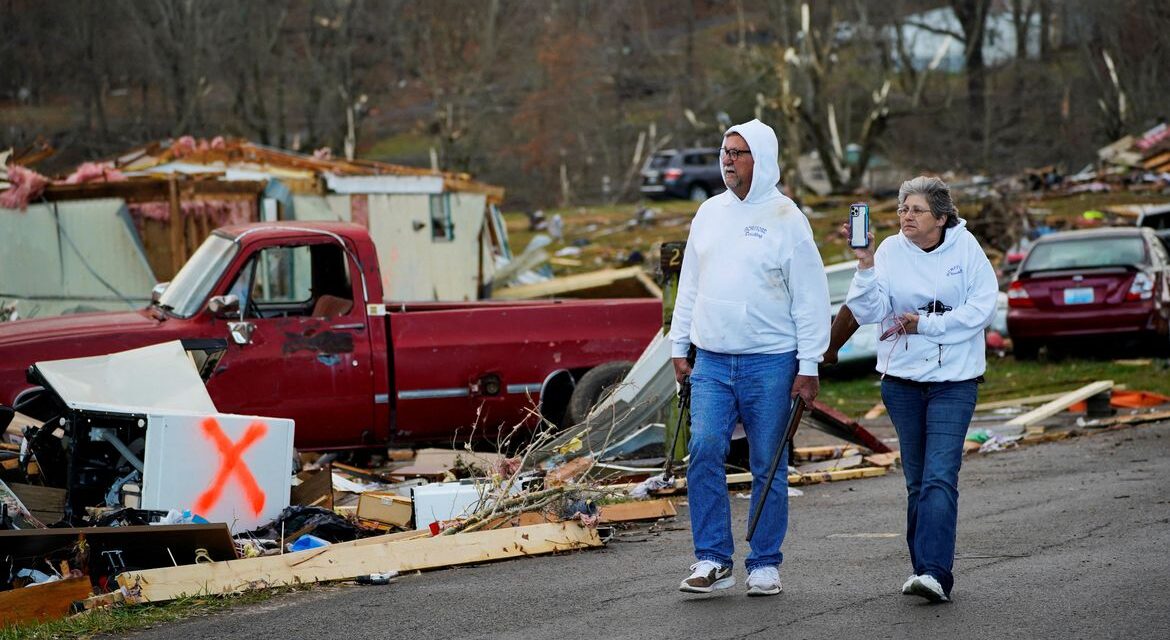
{"points": [[725, 389], [931, 420]]}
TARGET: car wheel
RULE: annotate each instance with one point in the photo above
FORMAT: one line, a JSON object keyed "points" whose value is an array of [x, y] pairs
{"points": [[1025, 349], [698, 193], [593, 386]]}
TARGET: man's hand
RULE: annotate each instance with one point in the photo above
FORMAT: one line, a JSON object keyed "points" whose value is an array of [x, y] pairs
{"points": [[682, 369], [806, 387]]}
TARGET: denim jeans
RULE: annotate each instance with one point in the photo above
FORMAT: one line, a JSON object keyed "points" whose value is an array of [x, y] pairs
{"points": [[931, 420], [754, 389]]}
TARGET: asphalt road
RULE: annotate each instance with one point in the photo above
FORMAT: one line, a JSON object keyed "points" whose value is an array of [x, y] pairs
{"points": [[1063, 540]]}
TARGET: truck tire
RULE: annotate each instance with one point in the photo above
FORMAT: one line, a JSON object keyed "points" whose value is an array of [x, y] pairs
{"points": [[697, 193], [593, 386], [1025, 349]]}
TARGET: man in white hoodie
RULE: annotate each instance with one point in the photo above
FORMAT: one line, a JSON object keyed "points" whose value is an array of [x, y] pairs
{"points": [[934, 291], [754, 301]]}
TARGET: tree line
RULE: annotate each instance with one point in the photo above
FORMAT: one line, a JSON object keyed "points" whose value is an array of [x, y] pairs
{"points": [[561, 101]]}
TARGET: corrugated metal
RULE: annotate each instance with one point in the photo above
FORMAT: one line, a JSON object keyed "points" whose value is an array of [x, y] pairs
{"points": [[80, 255]]}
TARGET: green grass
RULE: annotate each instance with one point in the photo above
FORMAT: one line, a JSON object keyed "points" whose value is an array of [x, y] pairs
{"points": [[123, 619], [1008, 378]]}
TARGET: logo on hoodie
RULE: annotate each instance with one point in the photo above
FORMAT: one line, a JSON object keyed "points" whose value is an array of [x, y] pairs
{"points": [[754, 231], [955, 270]]}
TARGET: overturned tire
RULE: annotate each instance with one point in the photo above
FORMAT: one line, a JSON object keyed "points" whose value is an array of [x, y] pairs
{"points": [[593, 386]]}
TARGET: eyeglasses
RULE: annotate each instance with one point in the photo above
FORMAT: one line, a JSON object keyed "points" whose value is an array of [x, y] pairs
{"points": [[734, 154], [917, 211]]}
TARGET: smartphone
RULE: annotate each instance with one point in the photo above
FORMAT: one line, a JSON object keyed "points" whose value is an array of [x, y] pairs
{"points": [[858, 225]]}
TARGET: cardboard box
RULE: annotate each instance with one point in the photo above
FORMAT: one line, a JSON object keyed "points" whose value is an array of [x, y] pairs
{"points": [[388, 508]]}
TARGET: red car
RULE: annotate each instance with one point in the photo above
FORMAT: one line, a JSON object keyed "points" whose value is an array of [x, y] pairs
{"points": [[1112, 282]]}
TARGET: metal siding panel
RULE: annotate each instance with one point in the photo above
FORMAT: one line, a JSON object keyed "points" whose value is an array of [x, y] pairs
{"points": [[455, 264], [30, 263], [402, 251], [97, 242]]}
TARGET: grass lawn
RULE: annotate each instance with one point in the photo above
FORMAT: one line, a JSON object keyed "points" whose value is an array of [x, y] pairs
{"points": [[1008, 378]]}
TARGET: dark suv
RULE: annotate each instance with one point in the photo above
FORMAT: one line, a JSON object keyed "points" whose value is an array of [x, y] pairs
{"points": [[692, 174]]}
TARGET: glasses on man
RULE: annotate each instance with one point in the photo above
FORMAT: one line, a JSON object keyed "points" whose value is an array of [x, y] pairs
{"points": [[734, 154], [917, 211]]}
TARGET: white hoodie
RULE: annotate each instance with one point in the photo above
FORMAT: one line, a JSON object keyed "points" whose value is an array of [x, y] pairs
{"points": [[752, 279], [949, 346]]}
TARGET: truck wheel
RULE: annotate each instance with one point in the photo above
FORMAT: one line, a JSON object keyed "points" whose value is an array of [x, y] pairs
{"points": [[593, 386], [698, 193]]}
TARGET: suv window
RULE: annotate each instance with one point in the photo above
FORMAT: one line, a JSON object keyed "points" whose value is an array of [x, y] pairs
{"points": [[1085, 253], [700, 159], [661, 161]]}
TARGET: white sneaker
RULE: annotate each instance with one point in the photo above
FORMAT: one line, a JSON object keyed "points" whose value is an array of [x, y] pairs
{"points": [[706, 577], [764, 581], [906, 587], [927, 586]]}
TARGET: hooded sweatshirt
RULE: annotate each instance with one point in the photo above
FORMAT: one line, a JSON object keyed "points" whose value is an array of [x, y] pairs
{"points": [[953, 290], [752, 279]]}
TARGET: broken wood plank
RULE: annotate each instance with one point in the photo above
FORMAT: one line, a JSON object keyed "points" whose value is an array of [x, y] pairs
{"points": [[1057, 405], [634, 511], [831, 465], [315, 489], [1136, 418], [42, 602], [883, 459], [876, 411], [833, 422], [46, 504], [813, 454], [346, 562], [1017, 402], [836, 476]]}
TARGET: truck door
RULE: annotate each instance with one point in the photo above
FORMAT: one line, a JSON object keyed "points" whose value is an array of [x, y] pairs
{"points": [[308, 356]]}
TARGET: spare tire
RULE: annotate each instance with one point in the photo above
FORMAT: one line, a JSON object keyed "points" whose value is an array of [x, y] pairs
{"points": [[593, 386]]}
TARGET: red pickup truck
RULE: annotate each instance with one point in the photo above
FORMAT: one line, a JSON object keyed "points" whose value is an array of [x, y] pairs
{"points": [[288, 320]]}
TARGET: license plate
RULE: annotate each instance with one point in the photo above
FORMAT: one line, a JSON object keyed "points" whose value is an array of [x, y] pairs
{"points": [[1080, 295]]}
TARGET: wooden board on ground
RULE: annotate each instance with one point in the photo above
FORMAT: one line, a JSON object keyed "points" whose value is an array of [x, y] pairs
{"points": [[641, 510], [1053, 407], [315, 489], [826, 452], [42, 602], [346, 562], [883, 459], [836, 476], [831, 465], [46, 504], [1017, 402], [1136, 418]]}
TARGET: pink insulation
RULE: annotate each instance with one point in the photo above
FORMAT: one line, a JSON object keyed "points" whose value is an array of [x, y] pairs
{"points": [[27, 185], [95, 172]]}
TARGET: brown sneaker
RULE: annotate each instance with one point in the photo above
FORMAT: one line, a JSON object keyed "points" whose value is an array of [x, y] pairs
{"points": [[707, 576]]}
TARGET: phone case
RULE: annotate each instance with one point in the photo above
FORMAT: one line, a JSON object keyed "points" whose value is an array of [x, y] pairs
{"points": [[858, 225]]}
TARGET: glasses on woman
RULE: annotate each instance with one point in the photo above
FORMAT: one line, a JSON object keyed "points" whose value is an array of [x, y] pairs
{"points": [[917, 211], [734, 154]]}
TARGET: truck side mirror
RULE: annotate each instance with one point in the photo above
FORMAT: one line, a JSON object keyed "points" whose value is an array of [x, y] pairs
{"points": [[224, 306], [157, 291]]}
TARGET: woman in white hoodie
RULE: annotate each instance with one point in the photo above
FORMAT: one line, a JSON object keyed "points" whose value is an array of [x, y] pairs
{"points": [[934, 291]]}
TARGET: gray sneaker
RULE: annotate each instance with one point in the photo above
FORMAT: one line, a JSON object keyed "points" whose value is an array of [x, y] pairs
{"points": [[927, 586], [764, 581], [906, 591], [707, 576]]}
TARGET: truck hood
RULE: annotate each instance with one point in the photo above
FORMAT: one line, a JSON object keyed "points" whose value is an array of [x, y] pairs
{"points": [[75, 336], [76, 328]]}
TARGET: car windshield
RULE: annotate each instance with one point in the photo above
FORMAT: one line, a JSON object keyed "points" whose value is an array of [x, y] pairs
{"points": [[839, 284], [185, 295], [1085, 253]]}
